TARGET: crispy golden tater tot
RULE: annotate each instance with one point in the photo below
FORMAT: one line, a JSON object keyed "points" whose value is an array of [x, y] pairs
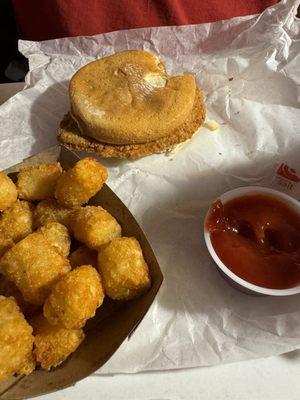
{"points": [[50, 211], [9, 289], [74, 298], [53, 344], [5, 243], [123, 269], [80, 183], [94, 226], [17, 221], [34, 265], [8, 192], [38, 182], [58, 235], [16, 340], [83, 256]]}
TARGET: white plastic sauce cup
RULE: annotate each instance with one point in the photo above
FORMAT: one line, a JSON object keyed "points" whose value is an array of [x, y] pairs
{"points": [[230, 276]]}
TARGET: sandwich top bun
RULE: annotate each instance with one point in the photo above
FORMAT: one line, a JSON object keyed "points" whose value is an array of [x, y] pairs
{"points": [[128, 98]]}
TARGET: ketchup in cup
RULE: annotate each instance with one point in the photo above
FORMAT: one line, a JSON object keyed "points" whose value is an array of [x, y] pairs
{"points": [[257, 236]]}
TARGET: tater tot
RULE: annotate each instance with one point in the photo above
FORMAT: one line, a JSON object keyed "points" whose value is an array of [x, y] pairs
{"points": [[83, 256], [5, 243], [94, 227], [58, 235], [8, 192], [74, 298], [76, 186], [50, 211], [34, 265], [9, 289], [123, 269], [16, 340], [38, 182], [53, 344], [17, 221]]}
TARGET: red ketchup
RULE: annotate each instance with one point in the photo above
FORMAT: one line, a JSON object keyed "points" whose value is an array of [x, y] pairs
{"points": [[258, 238]]}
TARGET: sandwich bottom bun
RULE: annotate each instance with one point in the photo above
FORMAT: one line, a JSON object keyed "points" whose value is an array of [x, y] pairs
{"points": [[71, 137]]}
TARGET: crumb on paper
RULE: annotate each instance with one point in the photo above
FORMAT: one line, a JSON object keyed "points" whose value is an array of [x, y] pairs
{"points": [[212, 125]]}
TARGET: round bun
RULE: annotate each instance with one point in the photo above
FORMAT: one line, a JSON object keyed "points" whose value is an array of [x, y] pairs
{"points": [[128, 98]]}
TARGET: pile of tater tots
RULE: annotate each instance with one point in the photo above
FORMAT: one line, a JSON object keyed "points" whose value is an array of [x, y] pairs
{"points": [[47, 294]]}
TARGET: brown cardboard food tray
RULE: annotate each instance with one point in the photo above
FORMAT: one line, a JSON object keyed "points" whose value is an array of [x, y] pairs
{"points": [[114, 321]]}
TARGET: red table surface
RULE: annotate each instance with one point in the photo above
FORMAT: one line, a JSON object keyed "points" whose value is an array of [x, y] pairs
{"points": [[48, 19]]}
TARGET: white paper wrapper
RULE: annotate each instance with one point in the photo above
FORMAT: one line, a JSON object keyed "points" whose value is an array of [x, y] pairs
{"points": [[249, 69]]}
